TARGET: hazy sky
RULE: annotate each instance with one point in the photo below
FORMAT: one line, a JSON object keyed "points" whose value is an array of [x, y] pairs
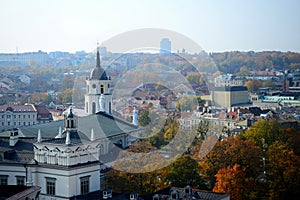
{"points": [[216, 25]]}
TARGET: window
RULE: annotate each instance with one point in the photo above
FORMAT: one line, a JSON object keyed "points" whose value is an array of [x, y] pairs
{"points": [[50, 186], [23, 116], [8, 116], [3, 179], [28, 116], [19, 116], [15, 116], [8, 123], [102, 89], [93, 107], [20, 180], [24, 123], [85, 185], [2, 123]]}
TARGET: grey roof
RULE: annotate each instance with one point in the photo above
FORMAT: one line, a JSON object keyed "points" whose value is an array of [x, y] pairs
{"points": [[195, 194], [104, 125], [98, 73], [48, 130], [22, 151]]}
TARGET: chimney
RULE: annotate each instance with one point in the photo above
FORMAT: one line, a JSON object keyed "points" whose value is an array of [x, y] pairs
{"points": [[29, 181], [14, 138]]}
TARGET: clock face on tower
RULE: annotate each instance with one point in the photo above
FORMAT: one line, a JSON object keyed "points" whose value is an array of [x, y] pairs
{"points": [[94, 85]]}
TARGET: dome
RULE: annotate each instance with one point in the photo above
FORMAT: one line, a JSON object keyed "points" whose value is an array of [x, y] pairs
{"points": [[98, 72]]}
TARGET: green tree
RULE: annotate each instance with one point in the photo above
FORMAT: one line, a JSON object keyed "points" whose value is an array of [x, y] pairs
{"points": [[192, 78], [185, 171], [264, 132], [65, 97], [189, 103], [144, 118]]}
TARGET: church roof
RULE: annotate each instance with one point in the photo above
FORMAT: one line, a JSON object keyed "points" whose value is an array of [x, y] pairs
{"points": [[103, 124], [48, 130], [98, 72]]}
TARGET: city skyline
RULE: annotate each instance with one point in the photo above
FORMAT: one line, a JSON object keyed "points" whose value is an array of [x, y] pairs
{"points": [[217, 26]]}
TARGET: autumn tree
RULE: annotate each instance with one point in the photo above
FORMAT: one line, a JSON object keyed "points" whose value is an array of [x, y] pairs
{"points": [[228, 153], [253, 85], [189, 103], [193, 78], [143, 146], [171, 127], [68, 82], [234, 181], [283, 175], [65, 97], [41, 98]]}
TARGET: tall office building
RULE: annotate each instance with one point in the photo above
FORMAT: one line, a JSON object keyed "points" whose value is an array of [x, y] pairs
{"points": [[165, 46]]}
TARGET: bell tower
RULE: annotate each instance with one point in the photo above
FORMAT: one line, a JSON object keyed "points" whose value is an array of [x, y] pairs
{"points": [[97, 85]]}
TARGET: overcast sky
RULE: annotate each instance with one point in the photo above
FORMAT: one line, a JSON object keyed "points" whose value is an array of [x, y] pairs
{"points": [[215, 25]]}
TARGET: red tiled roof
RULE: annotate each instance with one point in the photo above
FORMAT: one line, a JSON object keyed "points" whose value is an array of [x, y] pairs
{"points": [[17, 108]]}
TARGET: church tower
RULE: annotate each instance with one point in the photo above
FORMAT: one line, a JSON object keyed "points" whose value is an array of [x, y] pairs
{"points": [[98, 96]]}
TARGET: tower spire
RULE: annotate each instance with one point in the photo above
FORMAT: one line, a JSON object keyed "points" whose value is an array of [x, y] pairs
{"points": [[98, 56]]}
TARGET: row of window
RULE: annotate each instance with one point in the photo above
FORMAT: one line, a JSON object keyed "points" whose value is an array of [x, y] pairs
{"points": [[19, 123], [50, 183], [19, 116], [20, 180]]}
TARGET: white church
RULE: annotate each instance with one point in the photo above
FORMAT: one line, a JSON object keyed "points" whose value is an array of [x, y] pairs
{"points": [[64, 158]]}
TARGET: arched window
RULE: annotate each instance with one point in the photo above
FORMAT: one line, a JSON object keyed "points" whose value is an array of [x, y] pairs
{"points": [[102, 89]]}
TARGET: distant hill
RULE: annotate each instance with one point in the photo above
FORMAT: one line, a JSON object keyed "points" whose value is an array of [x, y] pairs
{"points": [[237, 61]]}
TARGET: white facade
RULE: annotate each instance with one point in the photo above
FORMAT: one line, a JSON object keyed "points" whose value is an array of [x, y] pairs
{"points": [[67, 165], [228, 80], [92, 99], [25, 79], [98, 84], [13, 116]]}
